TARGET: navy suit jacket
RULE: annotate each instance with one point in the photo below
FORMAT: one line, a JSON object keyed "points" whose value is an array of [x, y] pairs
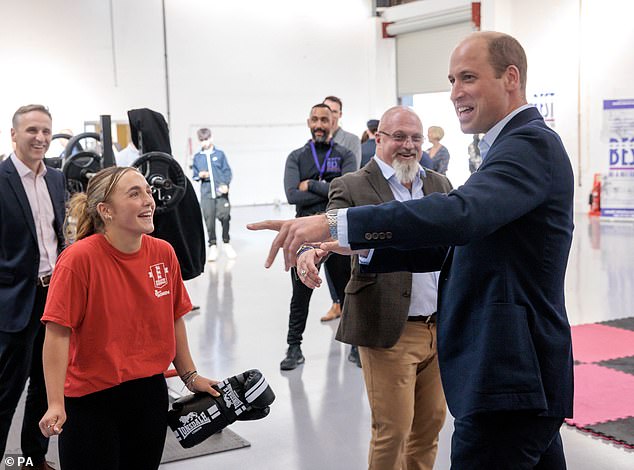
{"points": [[19, 252], [503, 333]]}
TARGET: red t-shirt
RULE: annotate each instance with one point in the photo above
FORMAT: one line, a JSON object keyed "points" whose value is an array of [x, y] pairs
{"points": [[121, 308]]}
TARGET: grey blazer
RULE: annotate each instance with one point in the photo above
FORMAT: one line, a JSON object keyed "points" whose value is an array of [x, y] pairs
{"points": [[376, 305]]}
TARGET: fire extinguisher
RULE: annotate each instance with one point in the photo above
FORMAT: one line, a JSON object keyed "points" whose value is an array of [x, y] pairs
{"points": [[595, 196]]}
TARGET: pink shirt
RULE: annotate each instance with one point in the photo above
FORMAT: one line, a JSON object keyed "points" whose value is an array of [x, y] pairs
{"points": [[43, 214]]}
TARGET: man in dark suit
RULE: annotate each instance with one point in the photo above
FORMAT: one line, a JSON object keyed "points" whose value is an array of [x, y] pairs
{"points": [[392, 316], [504, 343], [31, 219]]}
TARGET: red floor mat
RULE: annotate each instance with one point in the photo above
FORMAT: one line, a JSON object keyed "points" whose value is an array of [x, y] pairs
{"points": [[596, 342], [604, 391]]}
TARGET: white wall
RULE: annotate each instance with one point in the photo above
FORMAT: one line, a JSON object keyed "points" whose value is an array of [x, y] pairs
{"points": [[551, 44], [251, 71], [60, 53], [549, 33], [581, 51], [607, 64]]}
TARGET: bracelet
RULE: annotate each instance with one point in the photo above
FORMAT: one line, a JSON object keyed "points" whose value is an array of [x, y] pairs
{"points": [[188, 375], [304, 249], [190, 383]]}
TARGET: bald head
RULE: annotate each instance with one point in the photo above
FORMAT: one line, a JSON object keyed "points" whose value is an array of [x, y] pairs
{"points": [[399, 142], [398, 114]]}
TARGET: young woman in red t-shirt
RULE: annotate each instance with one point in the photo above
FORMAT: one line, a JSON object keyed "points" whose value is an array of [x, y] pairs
{"points": [[113, 325]]}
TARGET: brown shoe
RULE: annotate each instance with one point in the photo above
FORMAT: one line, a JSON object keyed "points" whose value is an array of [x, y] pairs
{"points": [[333, 313]]}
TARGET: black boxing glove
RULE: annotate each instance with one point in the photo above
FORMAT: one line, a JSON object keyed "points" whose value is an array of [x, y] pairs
{"points": [[243, 397]]}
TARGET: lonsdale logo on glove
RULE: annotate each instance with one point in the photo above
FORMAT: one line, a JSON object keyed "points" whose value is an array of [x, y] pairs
{"points": [[243, 397], [193, 422]]}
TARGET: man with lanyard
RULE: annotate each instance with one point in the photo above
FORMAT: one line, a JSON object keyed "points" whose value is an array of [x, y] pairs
{"points": [[31, 218], [352, 143], [210, 167], [309, 171]]}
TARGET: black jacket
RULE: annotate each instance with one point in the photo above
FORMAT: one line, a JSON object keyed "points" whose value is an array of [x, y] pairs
{"points": [[300, 166]]}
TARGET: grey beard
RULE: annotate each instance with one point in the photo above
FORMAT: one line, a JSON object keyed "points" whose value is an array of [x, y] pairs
{"points": [[406, 171]]}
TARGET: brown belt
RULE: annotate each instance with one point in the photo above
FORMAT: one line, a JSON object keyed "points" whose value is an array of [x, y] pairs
{"points": [[44, 281], [424, 318]]}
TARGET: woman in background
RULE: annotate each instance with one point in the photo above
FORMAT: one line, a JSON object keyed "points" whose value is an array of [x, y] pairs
{"points": [[438, 153], [113, 326]]}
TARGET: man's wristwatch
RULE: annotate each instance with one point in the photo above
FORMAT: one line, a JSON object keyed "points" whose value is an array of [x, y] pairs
{"points": [[331, 218]]}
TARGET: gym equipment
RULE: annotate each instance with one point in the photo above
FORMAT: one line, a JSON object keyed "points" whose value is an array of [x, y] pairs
{"points": [[73, 146], [243, 397], [166, 178], [56, 162], [183, 226], [79, 168], [161, 170]]}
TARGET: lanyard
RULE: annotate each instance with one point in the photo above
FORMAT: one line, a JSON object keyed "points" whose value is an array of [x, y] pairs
{"points": [[321, 169]]}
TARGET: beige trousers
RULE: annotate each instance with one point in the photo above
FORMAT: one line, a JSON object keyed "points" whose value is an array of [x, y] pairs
{"points": [[406, 398]]}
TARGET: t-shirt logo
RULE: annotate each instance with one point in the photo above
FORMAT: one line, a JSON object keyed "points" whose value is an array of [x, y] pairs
{"points": [[158, 273], [333, 165]]}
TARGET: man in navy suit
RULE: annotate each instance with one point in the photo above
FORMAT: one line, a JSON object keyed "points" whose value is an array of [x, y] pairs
{"points": [[31, 220], [503, 335]]}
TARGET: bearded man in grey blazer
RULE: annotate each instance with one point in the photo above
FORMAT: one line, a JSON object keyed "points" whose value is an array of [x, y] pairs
{"points": [[392, 316]]}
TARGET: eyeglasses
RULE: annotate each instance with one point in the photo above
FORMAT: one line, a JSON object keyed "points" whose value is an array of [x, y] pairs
{"points": [[401, 138]]}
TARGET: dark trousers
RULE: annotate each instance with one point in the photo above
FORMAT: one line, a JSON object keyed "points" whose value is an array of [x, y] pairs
{"points": [[21, 359], [507, 440], [339, 268], [216, 208], [331, 287], [119, 428]]}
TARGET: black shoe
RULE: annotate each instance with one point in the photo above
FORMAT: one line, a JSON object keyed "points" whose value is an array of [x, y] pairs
{"points": [[294, 357], [354, 356]]}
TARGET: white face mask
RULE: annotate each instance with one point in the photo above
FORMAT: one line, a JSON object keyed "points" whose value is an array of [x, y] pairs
{"points": [[208, 143]]}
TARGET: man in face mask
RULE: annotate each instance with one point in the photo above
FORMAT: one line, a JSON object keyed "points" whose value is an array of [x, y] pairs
{"points": [[211, 168]]}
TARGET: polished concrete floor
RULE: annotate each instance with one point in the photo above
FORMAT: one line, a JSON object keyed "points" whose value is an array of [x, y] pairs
{"points": [[320, 419]]}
